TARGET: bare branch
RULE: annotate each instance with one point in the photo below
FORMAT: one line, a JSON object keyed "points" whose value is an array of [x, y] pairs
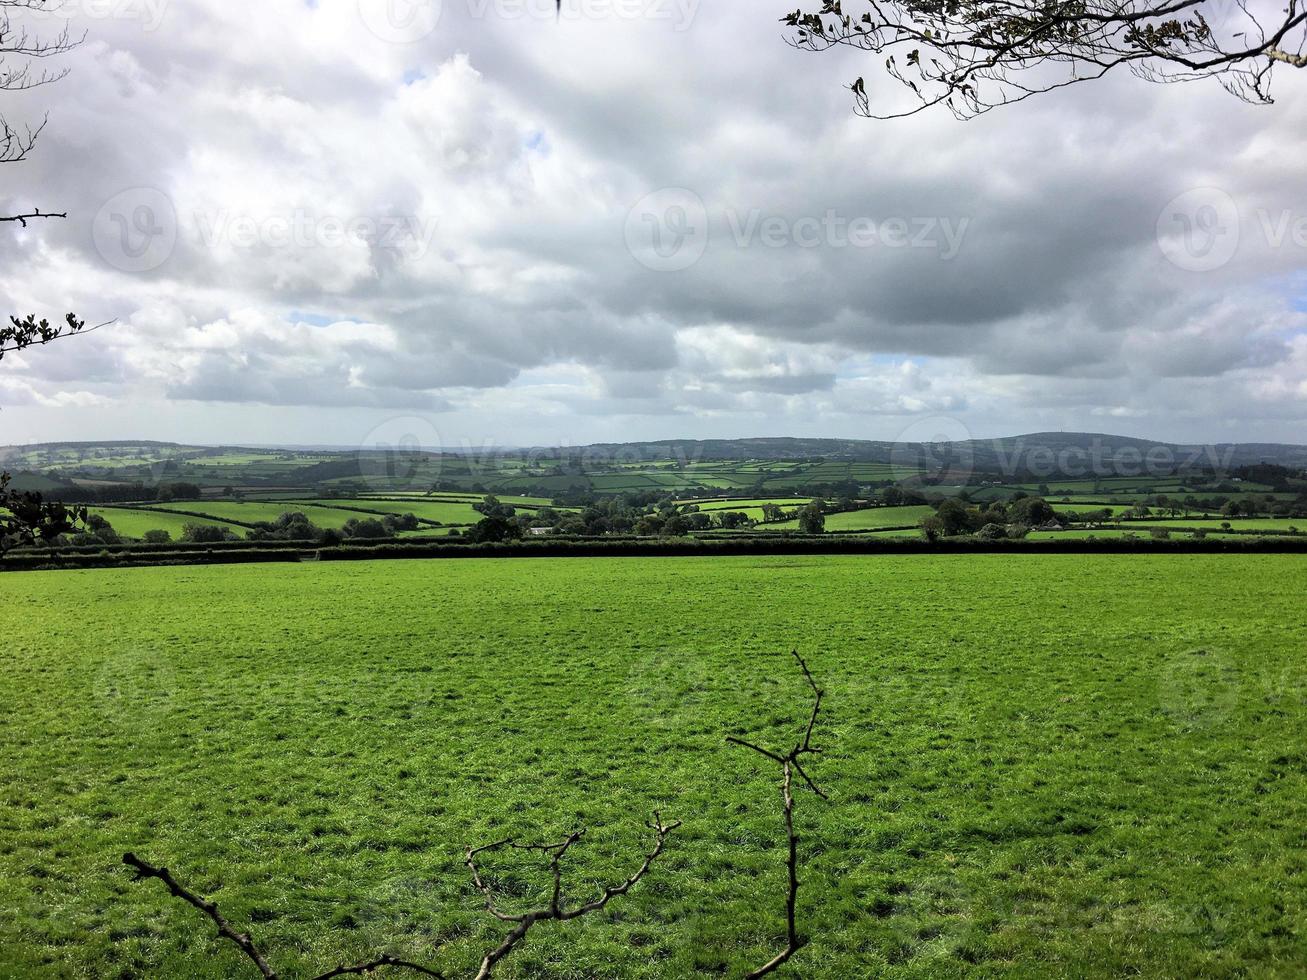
{"points": [[554, 911], [790, 764], [37, 213], [241, 940], [380, 963]]}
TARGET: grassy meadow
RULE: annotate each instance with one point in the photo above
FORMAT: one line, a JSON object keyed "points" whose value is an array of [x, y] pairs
{"points": [[1038, 765]]}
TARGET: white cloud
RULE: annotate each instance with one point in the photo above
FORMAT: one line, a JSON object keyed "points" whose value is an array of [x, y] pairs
{"points": [[439, 227]]}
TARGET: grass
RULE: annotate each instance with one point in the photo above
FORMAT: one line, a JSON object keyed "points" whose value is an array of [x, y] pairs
{"points": [[254, 511], [863, 520], [1039, 765], [445, 513], [134, 523]]}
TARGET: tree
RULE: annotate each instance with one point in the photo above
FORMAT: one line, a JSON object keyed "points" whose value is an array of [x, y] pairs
{"points": [[932, 527], [25, 516], [156, 537], [206, 534], [491, 507], [970, 56], [955, 518], [1031, 511], [21, 52], [493, 529], [811, 519], [178, 491]]}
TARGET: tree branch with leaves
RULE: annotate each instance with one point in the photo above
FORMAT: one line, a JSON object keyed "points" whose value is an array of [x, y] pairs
{"points": [[970, 56], [25, 516]]}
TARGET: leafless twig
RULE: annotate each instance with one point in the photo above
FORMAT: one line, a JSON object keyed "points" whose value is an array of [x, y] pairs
{"points": [[241, 940], [523, 921], [790, 764], [22, 219]]}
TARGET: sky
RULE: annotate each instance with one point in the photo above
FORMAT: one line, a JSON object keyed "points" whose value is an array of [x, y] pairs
{"points": [[349, 222]]}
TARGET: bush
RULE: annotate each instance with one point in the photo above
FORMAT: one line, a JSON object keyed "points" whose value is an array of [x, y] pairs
{"points": [[156, 537], [206, 534]]}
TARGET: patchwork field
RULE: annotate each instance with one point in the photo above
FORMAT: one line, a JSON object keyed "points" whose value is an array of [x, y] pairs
{"points": [[862, 520], [1038, 765], [444, 512], [134, 523]]}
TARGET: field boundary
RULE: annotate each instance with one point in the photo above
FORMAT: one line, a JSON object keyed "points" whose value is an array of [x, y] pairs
{"points": [[127, 556]]}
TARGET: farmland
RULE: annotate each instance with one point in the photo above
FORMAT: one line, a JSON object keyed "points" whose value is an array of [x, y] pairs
{"points": [[1035, 763]]}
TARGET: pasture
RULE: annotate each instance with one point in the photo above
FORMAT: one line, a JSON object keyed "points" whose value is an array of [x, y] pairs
{"points": [[1038, 764], [863, 520], [133, 523]]}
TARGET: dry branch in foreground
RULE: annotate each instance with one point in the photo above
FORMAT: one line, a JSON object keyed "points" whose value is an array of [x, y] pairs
{"points": [[522, 922], [790, 764]]}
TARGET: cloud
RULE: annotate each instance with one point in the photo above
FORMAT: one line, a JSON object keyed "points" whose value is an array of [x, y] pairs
{"points": [[458, 212]]}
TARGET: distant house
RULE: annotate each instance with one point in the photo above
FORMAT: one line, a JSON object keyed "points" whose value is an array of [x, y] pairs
{"points": [[1050, 526], [540, 530]]}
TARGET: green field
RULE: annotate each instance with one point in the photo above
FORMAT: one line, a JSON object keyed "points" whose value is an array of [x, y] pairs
{"points": [[863, 520], [134, 523], [1038, 765], [445, 513], [254, 511]]}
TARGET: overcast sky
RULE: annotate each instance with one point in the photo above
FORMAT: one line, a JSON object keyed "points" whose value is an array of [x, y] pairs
{"points": [[317, 222]]}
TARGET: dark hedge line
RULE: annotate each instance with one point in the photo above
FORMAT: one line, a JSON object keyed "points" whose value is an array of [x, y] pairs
{"points": [[633, 547], [808, 546]]}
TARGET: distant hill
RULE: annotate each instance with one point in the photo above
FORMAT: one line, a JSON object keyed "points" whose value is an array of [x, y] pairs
{"points": [[1024, 456], [998, 455]]}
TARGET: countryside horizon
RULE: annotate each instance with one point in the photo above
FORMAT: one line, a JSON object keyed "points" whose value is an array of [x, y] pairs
{"points": [[653, 490]]}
